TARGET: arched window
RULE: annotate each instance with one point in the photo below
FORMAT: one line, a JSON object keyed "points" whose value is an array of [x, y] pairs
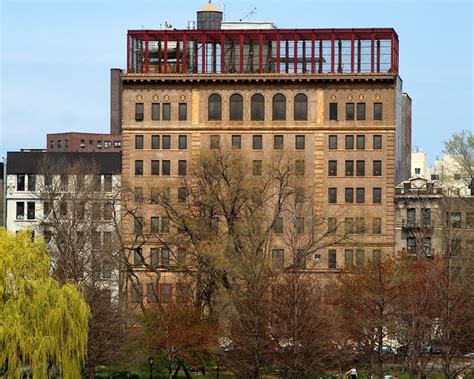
{"points": [[279, 107], [301, 107], [215, 107], [257, 107], [236, 112]]}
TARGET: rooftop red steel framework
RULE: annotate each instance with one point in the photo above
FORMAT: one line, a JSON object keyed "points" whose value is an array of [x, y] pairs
{"points": [[280, 51]]}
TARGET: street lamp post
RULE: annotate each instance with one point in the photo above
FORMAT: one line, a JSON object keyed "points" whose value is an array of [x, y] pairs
{"points": [[150, 361]]}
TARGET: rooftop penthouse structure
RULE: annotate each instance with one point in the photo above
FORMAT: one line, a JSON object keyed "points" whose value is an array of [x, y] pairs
{"points": [[319, 53]]}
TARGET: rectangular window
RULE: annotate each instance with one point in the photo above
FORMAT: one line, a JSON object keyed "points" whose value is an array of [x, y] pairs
{"points": [[332, 259], [360, 225], [278, 225], [154, 195], [299, 195], [349, 226], [360, 258], [411, 244], [411, 217], [332, 195], [138, 225], [166, 111], [182, 142], [107, 182], [299, 167], [377, 142], [349, 195], [332, 168], [348, 258], [236, 142], [165, 293], [377, 195], [58, 143], [469, 219], [30, 210], [278, 142], [377, 225], [182, 255], [20, 210], [376, 256], [138, 257], [360, 195], [108, 211], [333, 111], [360, 142], [155, 142], [299, 225], [165, 257], [377, 168], [257, 168], [138, 142], [97, 183], [166, 168], [154, 257], [139, 112], [139, 167], [455, 219], [138, 192], [333, 142], [427, 246], [182, 168], [349, 111], [31, 182], [427, 216], [20, 182], [278, 259], [332, 225], [155, 111], [360, 168], [155, 167], [136, 293], [349, 142], [377, 111], [257, 142], [215, 141], [360, 111], [183, 112], [299, 142], [165, 225], [182, 194], [349, 165], [166, 142]]}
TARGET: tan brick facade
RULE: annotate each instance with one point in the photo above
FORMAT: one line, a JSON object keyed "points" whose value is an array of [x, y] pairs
{"points": [[316, 153]]}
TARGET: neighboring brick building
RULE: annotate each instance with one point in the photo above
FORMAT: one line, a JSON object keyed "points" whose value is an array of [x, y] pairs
{"points": [[333, 96], [430, 221], [79, 142]]}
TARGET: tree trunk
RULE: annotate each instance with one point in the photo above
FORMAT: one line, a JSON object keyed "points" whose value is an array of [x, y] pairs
{"points": [[186, 372]]}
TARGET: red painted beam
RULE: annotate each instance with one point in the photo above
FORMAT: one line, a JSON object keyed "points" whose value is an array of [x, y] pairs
{"points": [[166, 55], [185, 55], [333, 40], [241, 64], [312, 53], [278, 54]]}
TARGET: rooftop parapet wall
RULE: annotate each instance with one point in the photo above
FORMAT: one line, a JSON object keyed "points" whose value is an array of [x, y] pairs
{"points": [[257, 51]]}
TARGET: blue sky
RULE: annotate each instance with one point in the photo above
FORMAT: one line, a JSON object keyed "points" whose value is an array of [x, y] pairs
{"points": [[56, 56]]}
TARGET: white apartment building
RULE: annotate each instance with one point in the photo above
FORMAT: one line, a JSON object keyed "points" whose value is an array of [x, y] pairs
{"points": [[39, 183]]}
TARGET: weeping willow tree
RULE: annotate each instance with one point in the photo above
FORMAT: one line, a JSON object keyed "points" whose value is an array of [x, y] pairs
{"points": [[43, 325]]}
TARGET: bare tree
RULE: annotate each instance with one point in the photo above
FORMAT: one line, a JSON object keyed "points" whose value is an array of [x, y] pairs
{"points": [[366, 301], [77, 223]]}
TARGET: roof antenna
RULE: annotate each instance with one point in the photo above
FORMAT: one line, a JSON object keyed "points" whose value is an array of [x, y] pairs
{"points": [[248, 15]]}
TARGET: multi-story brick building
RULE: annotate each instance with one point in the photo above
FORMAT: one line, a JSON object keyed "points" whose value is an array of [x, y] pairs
{"points": [[80, 142], [332, 98], [431, 221]]}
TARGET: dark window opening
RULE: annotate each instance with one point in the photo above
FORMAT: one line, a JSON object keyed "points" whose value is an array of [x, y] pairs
{"points": [[349, 111], [138, 142], [332, 168], [349, 195], [182, 112], [166, 111], [236, 142], [257, 142], [377, 111], [182, 142], [333, 111], [279, 107], [360, 111], [278, 142], [333, 142], [257, 107], [215, 107], [155, 111], [301, 107], [236, 110], [139, 112]]}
